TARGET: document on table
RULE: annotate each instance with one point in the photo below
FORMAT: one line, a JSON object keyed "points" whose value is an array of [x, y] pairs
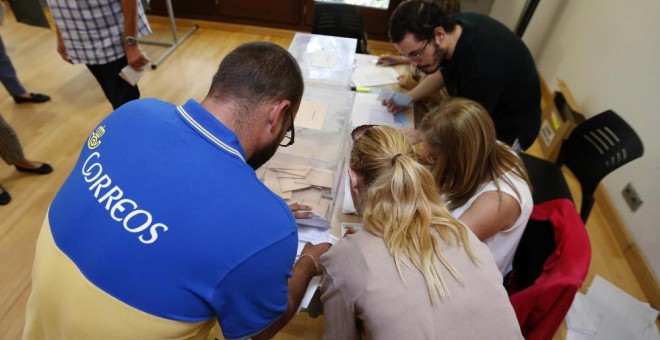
{"points": [[311, 114], [367, 110], [324, 59], [374, 75], [365, 59]]}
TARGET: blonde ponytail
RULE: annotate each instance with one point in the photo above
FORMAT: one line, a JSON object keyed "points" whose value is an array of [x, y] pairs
{"points": [[401, 205]]}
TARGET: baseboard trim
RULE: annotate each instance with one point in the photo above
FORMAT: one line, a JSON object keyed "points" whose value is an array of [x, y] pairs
{"points": [[243, 28], [629, 248]]}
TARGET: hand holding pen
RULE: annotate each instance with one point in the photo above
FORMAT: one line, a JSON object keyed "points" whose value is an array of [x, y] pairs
{"points": [[389, 60]]}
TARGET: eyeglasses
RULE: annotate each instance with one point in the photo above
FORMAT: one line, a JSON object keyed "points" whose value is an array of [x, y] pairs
{"points": [[417, 54], [290, 133]]}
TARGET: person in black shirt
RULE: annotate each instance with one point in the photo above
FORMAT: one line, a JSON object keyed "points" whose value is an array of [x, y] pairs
{"points": [[473, 56]]}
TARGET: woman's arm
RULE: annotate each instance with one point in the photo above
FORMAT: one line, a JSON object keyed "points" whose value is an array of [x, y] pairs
{"points": [[491, 213]]}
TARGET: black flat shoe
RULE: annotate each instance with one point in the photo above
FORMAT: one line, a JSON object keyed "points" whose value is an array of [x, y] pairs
{"points": [[4, 197], [33, 98], [42, 170]]}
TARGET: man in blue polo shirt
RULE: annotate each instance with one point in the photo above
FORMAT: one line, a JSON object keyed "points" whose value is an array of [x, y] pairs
{"points": [[163, 227]]}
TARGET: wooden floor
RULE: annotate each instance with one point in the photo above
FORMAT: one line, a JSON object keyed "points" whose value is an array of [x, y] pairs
{"points": [[54, 131]]}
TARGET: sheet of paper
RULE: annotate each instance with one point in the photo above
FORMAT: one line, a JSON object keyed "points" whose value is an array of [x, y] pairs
{"points": [[373, 75], [369, 111], [311, 114], [317, 221], [313, 235], [320, 178], [287, 175], [314, 198], [287, 196], [581, 317], [324, 59], [279, 165], [624, 317], [296, 173], [272, 182], [610, 314], [333, 239], [291, 184], [576, 335], [312, 287], [131, 75], [365, 59]]}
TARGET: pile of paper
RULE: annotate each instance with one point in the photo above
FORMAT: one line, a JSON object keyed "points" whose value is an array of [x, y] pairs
{"points": [[300, 184], [607, 312]]}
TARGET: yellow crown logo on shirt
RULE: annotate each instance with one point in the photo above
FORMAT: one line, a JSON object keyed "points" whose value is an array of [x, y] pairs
{"points": [[94, 139]]}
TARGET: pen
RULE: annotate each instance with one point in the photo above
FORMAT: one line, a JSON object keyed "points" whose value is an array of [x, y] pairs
{"points": [[360, 89]]}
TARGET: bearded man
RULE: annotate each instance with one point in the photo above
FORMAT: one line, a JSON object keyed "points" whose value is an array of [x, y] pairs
{"points": [[475, 57]]}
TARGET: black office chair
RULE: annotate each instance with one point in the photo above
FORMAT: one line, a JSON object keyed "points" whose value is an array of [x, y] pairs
{"points": [[596, 147], [340, 20]]}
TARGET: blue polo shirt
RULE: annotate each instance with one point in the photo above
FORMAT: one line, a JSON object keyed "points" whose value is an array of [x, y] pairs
{"points": [[162, 213]]}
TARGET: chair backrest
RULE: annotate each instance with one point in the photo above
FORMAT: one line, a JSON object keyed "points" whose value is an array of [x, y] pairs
{"points": [[596, 147], [547, 179], [541, 307], [340, 20]]}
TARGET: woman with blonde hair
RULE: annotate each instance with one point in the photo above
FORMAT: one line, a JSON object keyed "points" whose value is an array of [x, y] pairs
{"points": [[482, 180], [414, 271]]}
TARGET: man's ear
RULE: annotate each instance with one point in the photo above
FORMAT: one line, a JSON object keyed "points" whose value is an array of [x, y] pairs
{"points": [[277, 114], [439, 34]]}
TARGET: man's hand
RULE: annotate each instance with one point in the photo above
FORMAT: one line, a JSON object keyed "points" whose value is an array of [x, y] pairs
{"points": [[61, 48], [315, 252], [392, 107], [136, 57], [394, 101], [390, 60], [301, 210], [307, 266]]}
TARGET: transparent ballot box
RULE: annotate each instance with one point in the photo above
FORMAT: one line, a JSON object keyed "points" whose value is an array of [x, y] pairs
{"points": [[324, 60], [308, 172]]}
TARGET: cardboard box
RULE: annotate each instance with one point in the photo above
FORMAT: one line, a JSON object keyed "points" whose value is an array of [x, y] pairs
{"points": [[558, 119]]}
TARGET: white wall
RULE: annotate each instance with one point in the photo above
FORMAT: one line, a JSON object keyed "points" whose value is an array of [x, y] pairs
{"points": [[608, 53], [507, 11]]}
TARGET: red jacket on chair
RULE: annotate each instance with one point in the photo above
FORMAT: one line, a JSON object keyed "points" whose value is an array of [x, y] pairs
{"points": [[541, 307]]}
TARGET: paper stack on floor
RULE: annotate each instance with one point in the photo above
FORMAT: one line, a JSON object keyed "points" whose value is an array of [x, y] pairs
{"points": [[608, 313]]}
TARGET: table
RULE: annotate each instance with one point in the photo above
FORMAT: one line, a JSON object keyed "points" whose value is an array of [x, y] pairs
{"points": [[338, 217]]}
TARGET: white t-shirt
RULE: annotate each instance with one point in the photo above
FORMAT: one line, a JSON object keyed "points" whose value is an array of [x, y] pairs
{"points": [[503, 245]]}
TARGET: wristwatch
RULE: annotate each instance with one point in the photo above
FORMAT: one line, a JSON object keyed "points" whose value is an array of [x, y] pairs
{"points": [[130, 40]]}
